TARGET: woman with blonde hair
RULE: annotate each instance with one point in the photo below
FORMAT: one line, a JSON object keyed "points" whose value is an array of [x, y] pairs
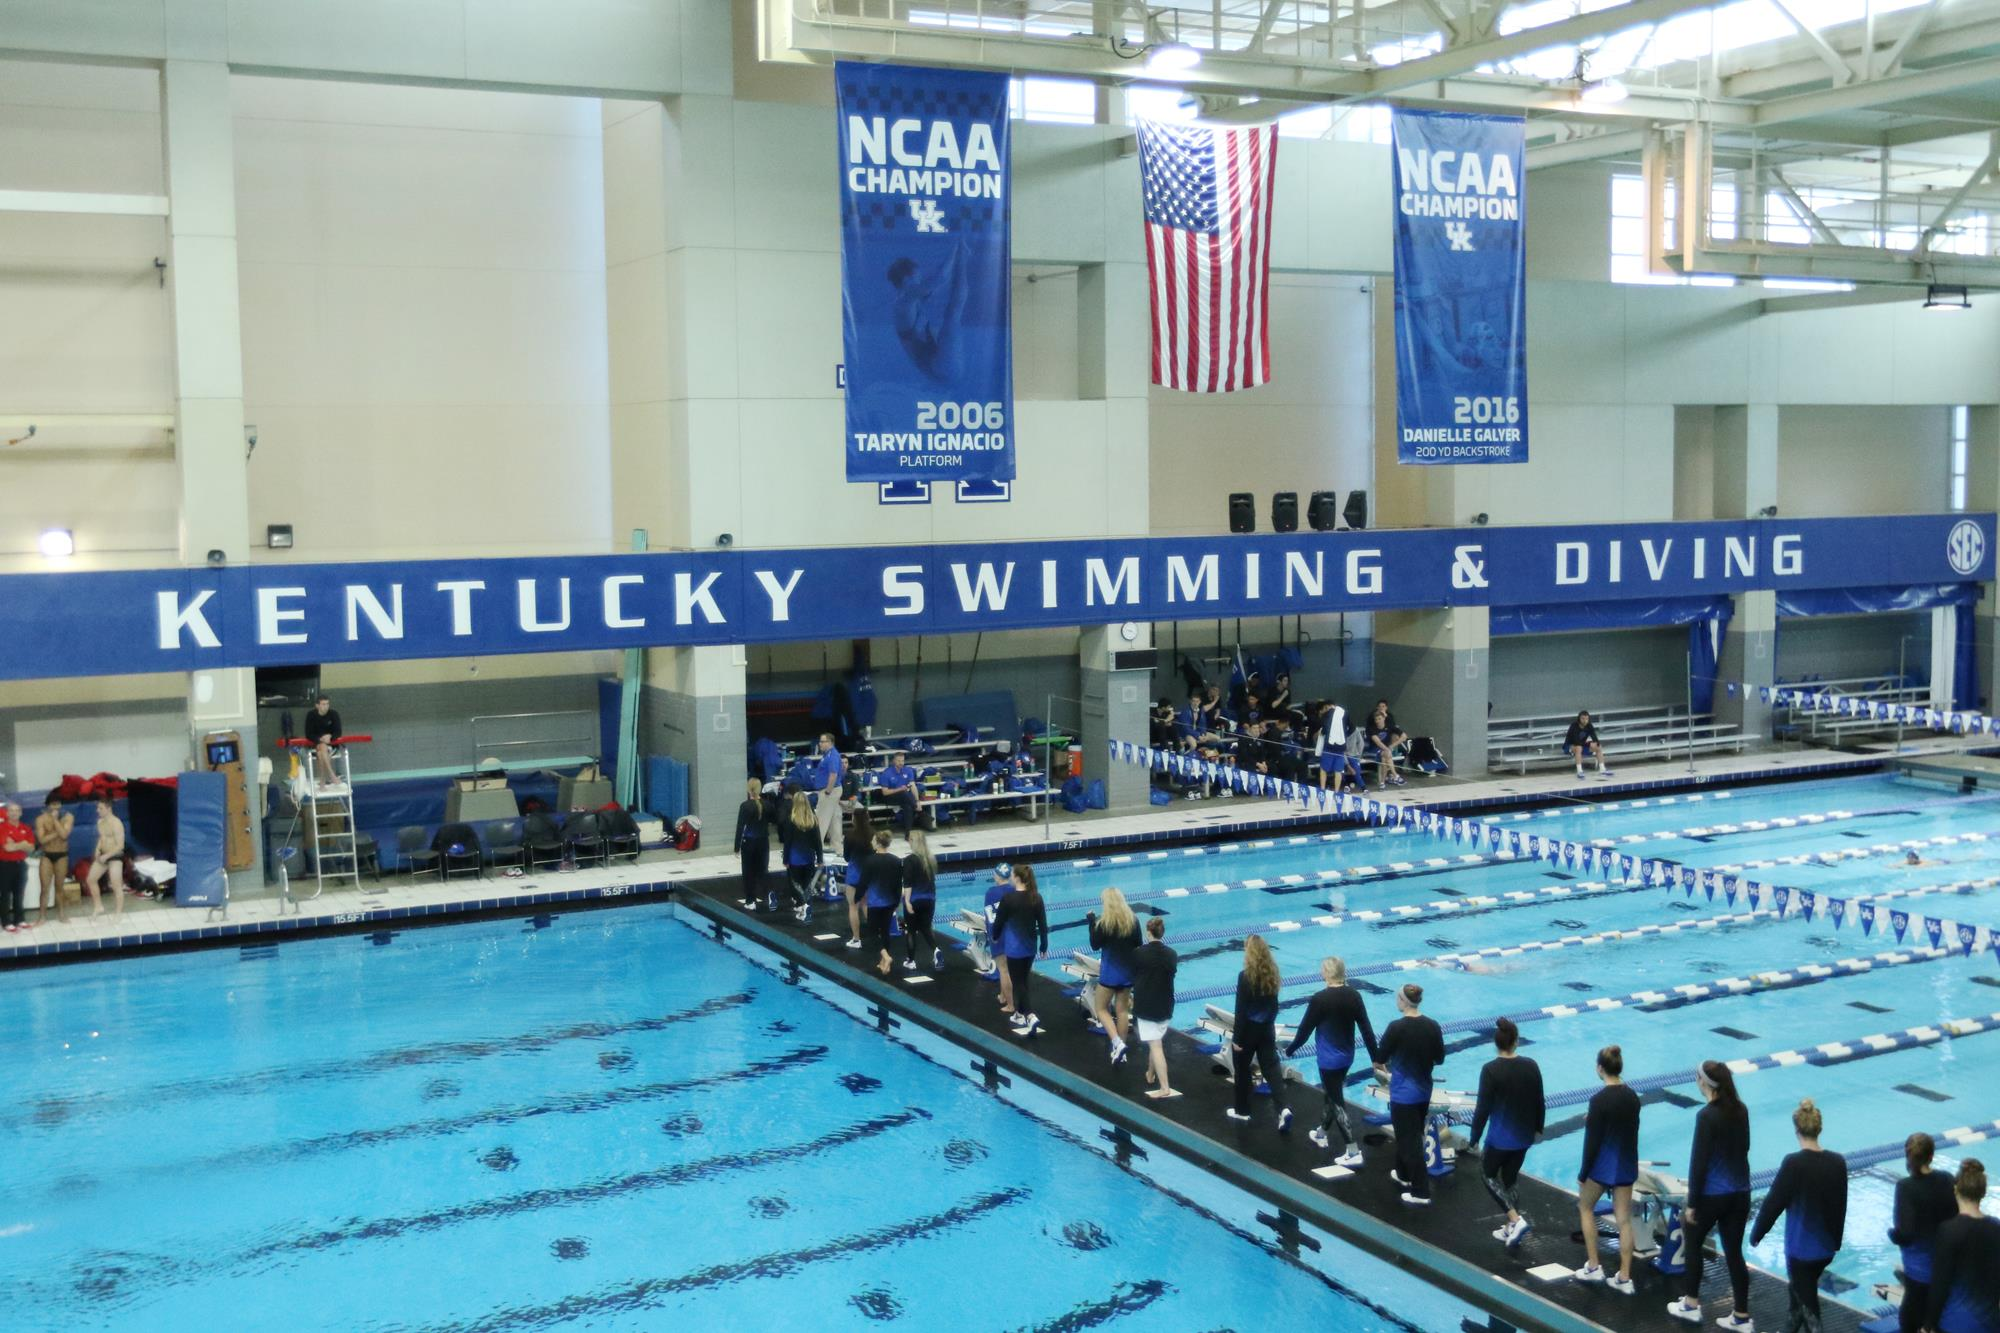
{"points": [[798, 833], [1115, 936], [1330, 1021], [920, 900], [1255, 1034], [1810, 1192]]}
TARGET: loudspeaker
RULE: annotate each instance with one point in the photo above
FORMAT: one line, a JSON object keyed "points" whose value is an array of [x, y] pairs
{"points": [[1356, 509], [1242, 512], [1323, 511], [1285, 511]]}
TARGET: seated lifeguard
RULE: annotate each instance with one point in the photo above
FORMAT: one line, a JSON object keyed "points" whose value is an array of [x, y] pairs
{"points": [[323, 732], [899, 782]]}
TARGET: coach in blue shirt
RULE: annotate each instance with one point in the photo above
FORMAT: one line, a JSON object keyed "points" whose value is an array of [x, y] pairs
{"points": [[826, 802], [899, 781]]}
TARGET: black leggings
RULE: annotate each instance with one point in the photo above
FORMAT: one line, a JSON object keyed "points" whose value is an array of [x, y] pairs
{"points": [[917, 921], [754, 861], [1333, 1084], [1407, 1120], [1018, 972], [801, 878], [1803, 1275], [880, 920], [1726, 1215], [1257, 1041], [1916, 1298], [1502, 1173]]}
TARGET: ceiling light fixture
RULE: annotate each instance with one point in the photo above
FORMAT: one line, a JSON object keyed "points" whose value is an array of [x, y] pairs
{"points": [[1172, 58], [1947, 296], [57, 542]]}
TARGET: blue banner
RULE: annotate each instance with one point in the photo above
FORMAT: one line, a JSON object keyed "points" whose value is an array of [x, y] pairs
{"points": [[1461, 288], [926, 274], [127, 621]]}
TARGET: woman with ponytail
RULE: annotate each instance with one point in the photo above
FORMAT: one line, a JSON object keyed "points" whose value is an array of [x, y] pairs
{"points": [[1811, 1194], [1965, 1270], [1718, 1195]]}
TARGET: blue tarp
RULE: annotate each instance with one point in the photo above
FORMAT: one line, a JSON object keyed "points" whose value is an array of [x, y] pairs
{"points": [[1870, 601]]}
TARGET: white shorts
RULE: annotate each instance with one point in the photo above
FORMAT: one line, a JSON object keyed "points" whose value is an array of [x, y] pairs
{"points": [[1151, 1031]]}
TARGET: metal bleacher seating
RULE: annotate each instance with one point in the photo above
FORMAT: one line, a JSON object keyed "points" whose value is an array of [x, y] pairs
{"points": [[1628, 734], [1837, 729]]}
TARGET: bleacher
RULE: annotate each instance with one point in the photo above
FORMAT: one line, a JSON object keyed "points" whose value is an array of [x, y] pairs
{"points": [[1628, 734], [1835, 729]]}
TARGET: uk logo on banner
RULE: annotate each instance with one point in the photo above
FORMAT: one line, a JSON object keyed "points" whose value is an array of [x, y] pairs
{"points": [[1967, 936], [1934, 928], [1837, 909], [1780, 896], [1900, 923], [1866, 911]]}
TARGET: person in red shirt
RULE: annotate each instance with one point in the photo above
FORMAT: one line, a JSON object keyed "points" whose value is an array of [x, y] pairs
{"points": [[16, 841]]}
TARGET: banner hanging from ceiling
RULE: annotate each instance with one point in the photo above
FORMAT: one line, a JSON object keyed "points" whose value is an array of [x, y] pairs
{"points": [[926, 274], [1461, 288]]}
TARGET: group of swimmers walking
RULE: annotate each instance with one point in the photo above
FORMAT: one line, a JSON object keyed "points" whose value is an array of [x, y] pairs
{"points": [[1950, 1250]]}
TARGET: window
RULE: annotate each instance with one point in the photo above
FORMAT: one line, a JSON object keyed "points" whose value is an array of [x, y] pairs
{"points": [[1628, 233], [1064, 101], [1961, 442]]}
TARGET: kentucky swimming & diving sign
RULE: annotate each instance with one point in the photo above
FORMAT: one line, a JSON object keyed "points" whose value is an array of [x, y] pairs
{"points": [[83, 624]]}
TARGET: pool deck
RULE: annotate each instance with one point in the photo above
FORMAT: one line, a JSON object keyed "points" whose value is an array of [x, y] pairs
{"points": [[149, 925], [1453, 1245]]}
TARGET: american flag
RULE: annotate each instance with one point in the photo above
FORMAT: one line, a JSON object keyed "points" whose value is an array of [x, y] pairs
{"points": [[1208, 253]]}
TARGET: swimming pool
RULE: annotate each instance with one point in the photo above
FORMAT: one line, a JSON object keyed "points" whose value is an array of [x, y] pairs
{"points": [[1552, 948], [597, 1120]]}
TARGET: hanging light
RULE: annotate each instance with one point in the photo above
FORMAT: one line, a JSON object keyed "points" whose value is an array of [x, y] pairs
{"points": [[1947, 296], [1172, 58], [56, 542]]}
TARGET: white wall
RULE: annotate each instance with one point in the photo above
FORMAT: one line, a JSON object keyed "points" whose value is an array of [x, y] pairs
{"points": [[1835, 461], [423, 319]]}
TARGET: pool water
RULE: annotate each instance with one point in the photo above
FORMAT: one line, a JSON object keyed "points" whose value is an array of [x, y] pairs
{"points": [[1401, 899], [600, 1120]]}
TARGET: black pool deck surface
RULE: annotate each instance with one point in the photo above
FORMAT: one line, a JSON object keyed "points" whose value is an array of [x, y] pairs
{"points": [[1457, 1250]]}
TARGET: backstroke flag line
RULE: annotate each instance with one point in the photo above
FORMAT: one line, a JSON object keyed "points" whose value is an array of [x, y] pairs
{"points": [[1461, 288], [1207, 197], [926, 273]]}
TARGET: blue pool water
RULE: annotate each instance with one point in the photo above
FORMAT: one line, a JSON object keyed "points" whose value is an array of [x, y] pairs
{"points": [[596, 1121], [1463, 905]]}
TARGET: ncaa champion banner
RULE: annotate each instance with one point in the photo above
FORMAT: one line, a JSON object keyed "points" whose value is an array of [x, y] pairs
{"points": [[1461, 284], [926, 274]]}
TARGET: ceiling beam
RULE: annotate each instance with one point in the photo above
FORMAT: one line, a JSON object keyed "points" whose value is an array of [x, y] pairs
{"points": [[1832, 59], [1468, 56], [1585, 148], [1877, 92], [1758, 79]]}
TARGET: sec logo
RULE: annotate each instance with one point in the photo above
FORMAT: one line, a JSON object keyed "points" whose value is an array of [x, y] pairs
{"points": [[1965, 547]]}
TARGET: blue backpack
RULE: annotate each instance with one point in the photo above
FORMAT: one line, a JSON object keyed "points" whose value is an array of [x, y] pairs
{"points": [[1074, 798]]}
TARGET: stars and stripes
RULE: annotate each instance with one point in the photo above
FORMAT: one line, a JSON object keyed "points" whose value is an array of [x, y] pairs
{"points": [[1207, 197]]}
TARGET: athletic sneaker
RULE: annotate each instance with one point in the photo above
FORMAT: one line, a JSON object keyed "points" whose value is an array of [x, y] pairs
{"points": [[1029, 1028], [747, 904], [1589, 1273], [1016, 1020], [1736, 1323], [909, 964], [1606, 773], [1622, 1285], [1500, 1232], [1514, 1231], [1284, 1119], [1235, 1114], [1317, 1135], [1579, 773], [1421, 1200], [1684, 1311], [1117, 1051], [801, 912], [1397, 1176], [1397, 781], [1350, 1158], [852, 944]]}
